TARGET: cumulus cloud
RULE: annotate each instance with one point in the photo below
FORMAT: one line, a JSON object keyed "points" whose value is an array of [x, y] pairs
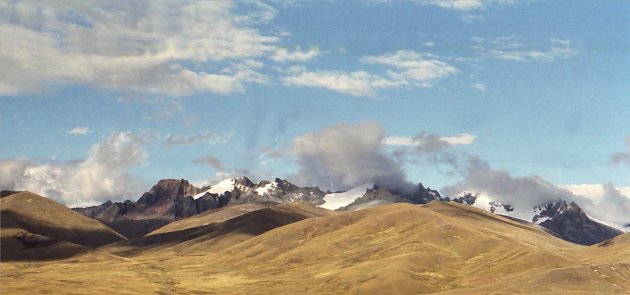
{"points": [[622, 157], [284, 55], [349, 155], [211, 161], [173, 48], [511, 48], [209, 137], [102, 176], [80, 130]]}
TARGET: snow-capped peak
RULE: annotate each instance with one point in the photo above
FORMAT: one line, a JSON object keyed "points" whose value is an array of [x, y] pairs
{"points": [[337, 200], [226, 185]]}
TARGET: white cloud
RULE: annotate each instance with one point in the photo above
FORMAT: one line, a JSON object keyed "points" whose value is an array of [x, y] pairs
{"points": [[412, 66], [102, 176], [472, 18], [593, 191], [455, 4], [407, 69], [209, 136], [173, 48], [429, 44], [462, 139], [80, 130], [348, 155], [479, 86], [284, 55], [357, 83], [511, 48], [465, 5], [605, 203]]}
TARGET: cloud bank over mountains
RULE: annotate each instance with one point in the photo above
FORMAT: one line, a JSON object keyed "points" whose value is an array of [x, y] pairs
{"points": [[103, 175], [342, 155]]}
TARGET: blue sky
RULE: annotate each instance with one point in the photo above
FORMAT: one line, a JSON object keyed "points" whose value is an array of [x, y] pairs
{"points": [[118, 97]]}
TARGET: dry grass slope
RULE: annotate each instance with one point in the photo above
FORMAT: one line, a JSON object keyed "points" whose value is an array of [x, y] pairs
{"points": [[35, 227], [395, 249]]}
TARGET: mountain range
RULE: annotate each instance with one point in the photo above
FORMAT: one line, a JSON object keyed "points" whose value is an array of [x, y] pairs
{"points": [[175, 199], [270, 247]]}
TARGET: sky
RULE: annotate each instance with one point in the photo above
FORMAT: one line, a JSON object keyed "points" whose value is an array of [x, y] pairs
{"points": [[520, 99]]}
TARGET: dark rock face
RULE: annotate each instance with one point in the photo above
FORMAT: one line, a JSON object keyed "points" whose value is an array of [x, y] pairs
{"points": [[168, 200], [570, 222]]}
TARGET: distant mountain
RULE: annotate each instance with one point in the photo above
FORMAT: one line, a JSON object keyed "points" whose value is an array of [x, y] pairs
{"points": [[37, 228], [218, 229], [175, 199], [378, 195], [565, 219]]}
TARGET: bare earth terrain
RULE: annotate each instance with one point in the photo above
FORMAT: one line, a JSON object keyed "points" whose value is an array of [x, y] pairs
{"points": [[442, 248]]}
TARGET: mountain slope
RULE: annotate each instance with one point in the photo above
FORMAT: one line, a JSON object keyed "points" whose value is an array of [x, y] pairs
{"points": [[33, 222], [397, 249], [564, 219], [175, 199], [217, 229]]}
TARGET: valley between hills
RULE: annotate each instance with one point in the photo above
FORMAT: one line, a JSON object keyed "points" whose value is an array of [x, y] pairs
{"points": [[295, 247]]}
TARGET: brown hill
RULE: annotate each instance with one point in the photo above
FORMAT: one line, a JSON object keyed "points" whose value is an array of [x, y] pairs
{"points": [[217, 229], [404, 249], [37, 227], [438, 248]]}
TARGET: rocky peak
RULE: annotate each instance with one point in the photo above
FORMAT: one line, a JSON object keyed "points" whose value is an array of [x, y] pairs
{"points": [[244, 181]]}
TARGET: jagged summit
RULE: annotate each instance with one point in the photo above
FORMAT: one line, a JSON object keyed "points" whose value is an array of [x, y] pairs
{"points": [[175, 199], [565, 219]]}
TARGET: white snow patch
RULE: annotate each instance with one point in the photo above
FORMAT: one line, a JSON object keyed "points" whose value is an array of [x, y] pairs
{"points": [[226, 185], [338, 200], [265, 189]]}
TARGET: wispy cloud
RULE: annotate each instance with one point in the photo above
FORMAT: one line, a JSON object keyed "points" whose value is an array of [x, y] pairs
{"points": [[80, 130], [403, 68], [479, 86], [454, 4], [472, 18], [359, 83], [622, 157], [412, 67], [211, 161], [194, 47], [466, 5], [285, 55], [185, 139], [423, 139], [511, 48]]}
